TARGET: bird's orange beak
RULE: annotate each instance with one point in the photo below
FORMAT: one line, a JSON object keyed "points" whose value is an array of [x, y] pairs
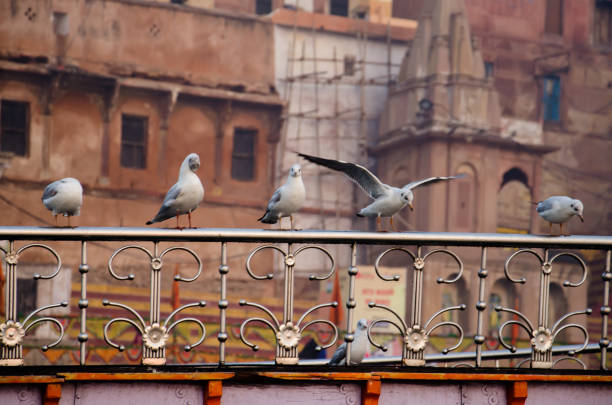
{"points": [[411, 207]]}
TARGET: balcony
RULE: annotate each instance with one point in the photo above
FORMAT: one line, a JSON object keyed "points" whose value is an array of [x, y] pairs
{"points": [[223, 348]]}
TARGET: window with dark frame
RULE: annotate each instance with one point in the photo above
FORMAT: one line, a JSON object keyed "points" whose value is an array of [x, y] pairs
{"points": [[338, 7], [134, 141], [553, 23], [243, 154], [602, 24], [489, 69], [263, 7], [14, 124], [551, 98]]}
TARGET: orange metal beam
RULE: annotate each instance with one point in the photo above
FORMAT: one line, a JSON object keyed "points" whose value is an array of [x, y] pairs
{"points": [[370, 391], [213, 393], [516, 393], [52, 395], [493, 377], [145, 376], [30, 379]]}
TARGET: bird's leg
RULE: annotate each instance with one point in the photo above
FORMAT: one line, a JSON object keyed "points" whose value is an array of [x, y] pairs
{"points": [[55, 219], [291, 222], [69, 226], [550, 229], [378, 224], [177, 222], [189, 216], [392, 226]]}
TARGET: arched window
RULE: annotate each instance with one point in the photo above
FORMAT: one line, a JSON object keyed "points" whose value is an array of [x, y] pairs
{"points": [[514, 203]]}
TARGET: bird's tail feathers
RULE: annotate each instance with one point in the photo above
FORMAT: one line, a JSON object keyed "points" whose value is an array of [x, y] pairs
{"points": [[266, 218], [360, 215], [149, 222]]}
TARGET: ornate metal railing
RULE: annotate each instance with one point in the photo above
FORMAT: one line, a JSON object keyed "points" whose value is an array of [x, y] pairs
{"points": [[288, 331]]}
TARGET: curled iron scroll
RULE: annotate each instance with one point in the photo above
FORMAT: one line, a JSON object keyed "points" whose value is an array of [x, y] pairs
{"points": [[268, 276], [521, 280], [110, 261], [193, 254], [454, 256], [333, 263], [47, 248], [380, 256], [583, 265]]}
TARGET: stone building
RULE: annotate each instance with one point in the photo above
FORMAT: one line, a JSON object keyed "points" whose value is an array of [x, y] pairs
{"points": [[116, 94]]}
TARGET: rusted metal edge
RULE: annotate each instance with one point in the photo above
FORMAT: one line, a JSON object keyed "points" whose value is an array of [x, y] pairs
{"points": [[295, 376], [492, 377], [146, 376], [30, 379]]}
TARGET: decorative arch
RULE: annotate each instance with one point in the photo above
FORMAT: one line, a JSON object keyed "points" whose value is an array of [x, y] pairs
{"points": [[514, 202]]}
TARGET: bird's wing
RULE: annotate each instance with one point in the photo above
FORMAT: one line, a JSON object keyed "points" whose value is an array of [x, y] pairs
{"points": [[165, 211], [172, 195], [545, 205], [276, 197], [50, 190], [359, 174], [431, 180], [339, 354]]}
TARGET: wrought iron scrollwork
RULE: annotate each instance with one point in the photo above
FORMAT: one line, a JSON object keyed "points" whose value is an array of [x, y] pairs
{"points": [[416, 336], [12, 332], [288, 334], [543, 336], [156, 333]]}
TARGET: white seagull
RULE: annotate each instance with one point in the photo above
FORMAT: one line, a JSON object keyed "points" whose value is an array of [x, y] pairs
{"points": [[64, 197], [287, 199], [185, 195], [559, 209], [388, 200], [359, 346]]}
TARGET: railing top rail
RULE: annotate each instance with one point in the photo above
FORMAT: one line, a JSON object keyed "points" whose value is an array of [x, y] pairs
{"points": [[304, 236]]}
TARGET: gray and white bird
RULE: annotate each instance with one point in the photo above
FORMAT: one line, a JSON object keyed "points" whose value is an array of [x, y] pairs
{"points": [[64, 197], [388, 200], [559, 209], [287, 199], [359, 346], [185, 195]]}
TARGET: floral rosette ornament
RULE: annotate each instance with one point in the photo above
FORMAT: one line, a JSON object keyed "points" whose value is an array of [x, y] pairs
{"points": [[416, 339], [288, 335], [155, 336], [542, 340], [11, 333]]}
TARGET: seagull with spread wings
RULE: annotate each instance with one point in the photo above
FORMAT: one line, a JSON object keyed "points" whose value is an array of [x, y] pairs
{"points": [[388, 200]]}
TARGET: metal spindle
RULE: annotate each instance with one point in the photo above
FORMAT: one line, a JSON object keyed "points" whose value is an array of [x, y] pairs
{"points": [[83, 304], [604, 342], [223, 304], [481, 305]]}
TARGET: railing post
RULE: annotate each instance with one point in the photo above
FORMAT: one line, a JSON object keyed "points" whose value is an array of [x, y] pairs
{"points": [[223, 304], [11, 330], [83, 304], [481, 305], [154, 356], [351, 303], [604, 342]]}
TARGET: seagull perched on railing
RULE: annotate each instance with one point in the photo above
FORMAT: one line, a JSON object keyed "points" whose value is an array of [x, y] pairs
{"points": [[388, 200], [558, 210], [287, 199], [359, 346], [64, 197], [185, 195]]}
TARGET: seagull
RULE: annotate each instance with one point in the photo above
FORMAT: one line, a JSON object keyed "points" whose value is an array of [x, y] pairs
{"points": [[559, 209], [287, 199], [359, 347], [185, 195], [64, 197], [388, 200]]}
